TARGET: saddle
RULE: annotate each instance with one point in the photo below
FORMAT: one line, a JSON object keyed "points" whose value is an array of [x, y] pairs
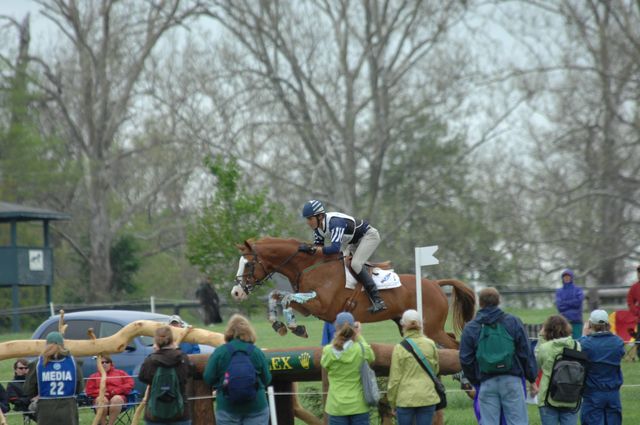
{"points": [[369, 266], [382, 274]]}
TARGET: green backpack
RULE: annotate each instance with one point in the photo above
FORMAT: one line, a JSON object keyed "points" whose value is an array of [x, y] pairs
{"points": [[165, 398], [495, 349]]}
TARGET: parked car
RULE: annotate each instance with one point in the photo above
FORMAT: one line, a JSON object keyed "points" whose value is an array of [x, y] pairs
{"points": [[106, 323]]}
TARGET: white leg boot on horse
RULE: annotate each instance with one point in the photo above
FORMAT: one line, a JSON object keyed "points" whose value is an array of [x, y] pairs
{"points": [[372, 291]]}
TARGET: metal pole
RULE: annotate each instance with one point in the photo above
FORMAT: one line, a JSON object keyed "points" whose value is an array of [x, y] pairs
{"points": [[15, 301], [418, 282], [153, 304], [272, 405], [423, 257]]}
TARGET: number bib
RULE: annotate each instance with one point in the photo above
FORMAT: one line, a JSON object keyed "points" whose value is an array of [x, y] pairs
{"points": [[57, 379]]}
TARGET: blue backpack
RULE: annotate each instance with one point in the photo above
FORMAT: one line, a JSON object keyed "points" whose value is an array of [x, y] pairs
{"points": [[240, 383]]}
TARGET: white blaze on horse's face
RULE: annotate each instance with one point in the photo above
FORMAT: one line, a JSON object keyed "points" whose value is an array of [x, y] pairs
{"points": [[237, 292], [243, 261]]}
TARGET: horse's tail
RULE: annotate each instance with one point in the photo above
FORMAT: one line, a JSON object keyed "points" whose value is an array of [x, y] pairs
{"points": [[463, 300]]}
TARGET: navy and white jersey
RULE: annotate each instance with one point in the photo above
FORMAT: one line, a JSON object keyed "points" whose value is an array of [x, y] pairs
{"points": [[339, 229], [56, 379]]}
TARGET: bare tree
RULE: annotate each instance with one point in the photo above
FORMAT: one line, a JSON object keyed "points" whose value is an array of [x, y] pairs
{"points": [[330, 84], [583, 171], [99, 87]]}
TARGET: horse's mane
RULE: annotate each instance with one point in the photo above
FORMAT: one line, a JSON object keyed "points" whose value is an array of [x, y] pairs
{"points": [[271, 240]]}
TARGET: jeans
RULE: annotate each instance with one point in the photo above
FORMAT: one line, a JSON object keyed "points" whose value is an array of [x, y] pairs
{"points": [[551, 416], [254, 418], [359, 419], [423, 415], [187, 422], [503, 392], [601, 408]]}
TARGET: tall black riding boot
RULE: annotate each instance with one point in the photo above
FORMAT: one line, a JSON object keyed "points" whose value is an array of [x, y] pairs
{"points": [[372, 290]]}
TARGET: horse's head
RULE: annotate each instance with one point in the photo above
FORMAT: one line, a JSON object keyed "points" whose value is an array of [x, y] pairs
{"points": [[247, 278], [259, 261]]}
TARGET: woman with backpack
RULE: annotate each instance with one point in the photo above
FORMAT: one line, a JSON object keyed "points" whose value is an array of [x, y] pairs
{"points": [[342, 360], [166, 371], [554, 338], [239, 372]]}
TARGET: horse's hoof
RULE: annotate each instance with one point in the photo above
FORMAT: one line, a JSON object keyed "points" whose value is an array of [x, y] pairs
{"points": [[300, 331], [279, 327]]}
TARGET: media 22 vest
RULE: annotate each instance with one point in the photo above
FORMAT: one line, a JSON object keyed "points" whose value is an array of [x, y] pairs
{"points": [[56, 379]]}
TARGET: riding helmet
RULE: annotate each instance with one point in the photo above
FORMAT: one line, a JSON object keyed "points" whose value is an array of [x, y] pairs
{"points": [[311, 208]]}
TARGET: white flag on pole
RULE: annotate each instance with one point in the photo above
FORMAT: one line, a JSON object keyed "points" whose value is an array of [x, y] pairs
{"points": [[424, 255]]}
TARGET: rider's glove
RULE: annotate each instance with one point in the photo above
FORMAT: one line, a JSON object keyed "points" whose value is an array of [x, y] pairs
{"points": [[309, 249]]}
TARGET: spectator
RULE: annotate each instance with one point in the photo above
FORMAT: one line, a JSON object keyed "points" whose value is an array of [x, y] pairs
{"points": [[186, 347], [556, 334], [210, 301], [56, 391], [167, 355], [633, 301], [239, 336], [406, 374], [328, 331], [342, 359], [601, 398], [119, 385], [4, 400], [569, 300], [15, 389], [498, 390]]}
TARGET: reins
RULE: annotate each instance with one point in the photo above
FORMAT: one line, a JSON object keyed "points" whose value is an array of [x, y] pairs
{"points": [[277, 269]]}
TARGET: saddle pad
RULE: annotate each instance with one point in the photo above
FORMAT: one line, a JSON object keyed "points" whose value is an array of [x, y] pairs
{"points": [[384, 279]]}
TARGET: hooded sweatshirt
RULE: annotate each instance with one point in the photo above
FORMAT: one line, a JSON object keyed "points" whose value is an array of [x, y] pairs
{"points": [[569, 299], [346, 395], [168, 357], [546, 354]]}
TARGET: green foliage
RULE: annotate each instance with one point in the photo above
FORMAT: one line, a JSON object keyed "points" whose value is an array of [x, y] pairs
{"points": [[32, 165], [125, 262], [429, 199], [233, 215]]}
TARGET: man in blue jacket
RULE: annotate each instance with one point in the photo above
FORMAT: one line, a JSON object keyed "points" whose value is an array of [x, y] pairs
{"points": [[601, 398], [501, 390], [569, 300]]}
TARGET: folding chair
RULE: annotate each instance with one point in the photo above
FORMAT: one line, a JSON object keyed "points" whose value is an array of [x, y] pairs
{"points": [[28, 418], [128, 409], [126, 414]]}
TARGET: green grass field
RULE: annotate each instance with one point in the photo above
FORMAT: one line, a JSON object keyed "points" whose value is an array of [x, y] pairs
{"points": [[459, 410]]}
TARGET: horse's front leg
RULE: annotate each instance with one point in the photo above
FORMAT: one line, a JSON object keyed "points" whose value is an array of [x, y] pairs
{"points": [[276, 297], [286, 299]]}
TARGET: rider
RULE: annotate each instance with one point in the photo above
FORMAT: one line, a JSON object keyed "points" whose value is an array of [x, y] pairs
{"points": [[361, 238]]}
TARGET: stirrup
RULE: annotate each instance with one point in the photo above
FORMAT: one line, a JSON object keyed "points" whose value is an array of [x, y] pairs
{"points": [[377, 306]]}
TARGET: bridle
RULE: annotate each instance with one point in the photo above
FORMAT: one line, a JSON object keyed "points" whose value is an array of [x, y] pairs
{"points": [[250, 268]]}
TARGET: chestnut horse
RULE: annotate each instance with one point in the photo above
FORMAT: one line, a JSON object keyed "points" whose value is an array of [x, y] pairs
{"points": [[319, 288]]}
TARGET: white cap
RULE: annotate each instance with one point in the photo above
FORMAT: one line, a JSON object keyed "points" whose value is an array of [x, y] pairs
{"points": [[176, 319], [599, 317], [410, 316]]}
